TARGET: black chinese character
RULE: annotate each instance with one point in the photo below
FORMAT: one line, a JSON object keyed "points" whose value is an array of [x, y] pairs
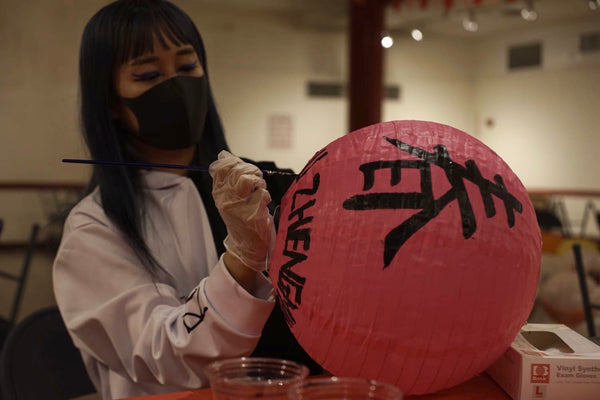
{"points": [[424, 200]]}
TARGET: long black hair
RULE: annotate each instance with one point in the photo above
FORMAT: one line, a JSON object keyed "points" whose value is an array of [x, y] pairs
{"points": [[120, 31]]}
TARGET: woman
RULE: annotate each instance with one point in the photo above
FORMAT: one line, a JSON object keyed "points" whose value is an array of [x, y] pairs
{"points": [[138, 277]]}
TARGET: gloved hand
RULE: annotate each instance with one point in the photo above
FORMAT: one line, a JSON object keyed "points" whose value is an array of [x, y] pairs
{"points": [[241, 197]]}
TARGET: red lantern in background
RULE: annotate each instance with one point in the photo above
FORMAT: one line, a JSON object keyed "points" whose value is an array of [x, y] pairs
{"points": [[407, 252]]}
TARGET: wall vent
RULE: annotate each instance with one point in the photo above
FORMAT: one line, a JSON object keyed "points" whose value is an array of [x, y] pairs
{"points": [[391, 92], [335, 89], [320, 89], [524, 56], [589, 42]]}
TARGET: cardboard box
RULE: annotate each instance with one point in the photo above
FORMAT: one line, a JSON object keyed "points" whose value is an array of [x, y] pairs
{"points": [[550, 362]]}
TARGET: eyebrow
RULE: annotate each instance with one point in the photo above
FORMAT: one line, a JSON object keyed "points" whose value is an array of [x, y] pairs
{"points": [[151, 59], [144, 60], [186, 50]]}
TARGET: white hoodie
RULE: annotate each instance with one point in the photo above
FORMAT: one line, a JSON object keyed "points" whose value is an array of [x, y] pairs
{"points": [[138, 336]]}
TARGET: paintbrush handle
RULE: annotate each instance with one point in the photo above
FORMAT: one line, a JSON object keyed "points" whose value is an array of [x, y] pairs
{"points": [[157, 165]]}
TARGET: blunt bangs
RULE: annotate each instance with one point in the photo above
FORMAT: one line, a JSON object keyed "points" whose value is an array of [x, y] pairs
{"points": [[140, 22]]}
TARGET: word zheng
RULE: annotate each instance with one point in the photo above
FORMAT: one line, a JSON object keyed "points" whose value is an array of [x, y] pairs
{"points": [[289, 283]]}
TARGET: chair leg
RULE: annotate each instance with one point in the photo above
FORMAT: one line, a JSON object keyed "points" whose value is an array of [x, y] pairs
{"points": [[24, 272], [585, 296]]}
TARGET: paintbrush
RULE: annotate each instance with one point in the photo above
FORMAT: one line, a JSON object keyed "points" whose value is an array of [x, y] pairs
{"points": [[156, 165]]}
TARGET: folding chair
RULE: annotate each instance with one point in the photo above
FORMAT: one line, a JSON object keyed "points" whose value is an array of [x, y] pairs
{"points": [[548, 221], [589, 210], [588, 306], [39, 360], [21, 278], [6, 324]]}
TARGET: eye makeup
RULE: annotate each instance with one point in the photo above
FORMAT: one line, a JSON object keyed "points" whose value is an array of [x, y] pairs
{"points": [[188, 67], [147, 76]]}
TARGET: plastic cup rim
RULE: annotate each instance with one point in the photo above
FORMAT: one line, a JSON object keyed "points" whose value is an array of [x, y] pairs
{"points": [[215, 370], [347, 382]]}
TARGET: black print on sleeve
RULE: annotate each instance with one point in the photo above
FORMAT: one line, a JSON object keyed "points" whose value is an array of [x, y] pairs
{"points": [[425, 201], [192, 320]]}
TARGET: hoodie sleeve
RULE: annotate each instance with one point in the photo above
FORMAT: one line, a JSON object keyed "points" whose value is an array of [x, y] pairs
{"points": [[144, 331]]}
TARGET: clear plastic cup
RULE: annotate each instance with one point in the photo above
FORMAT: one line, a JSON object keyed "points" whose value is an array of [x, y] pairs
{"points": [[334, 388], [251, 377]]}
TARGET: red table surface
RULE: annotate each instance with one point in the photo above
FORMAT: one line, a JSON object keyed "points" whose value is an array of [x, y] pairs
{"points": [[479, 387]]}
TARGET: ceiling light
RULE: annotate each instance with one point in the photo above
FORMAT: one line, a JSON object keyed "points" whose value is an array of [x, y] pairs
{"points": [[528, 12], [387, 41], [417, 35], [469, 23]]}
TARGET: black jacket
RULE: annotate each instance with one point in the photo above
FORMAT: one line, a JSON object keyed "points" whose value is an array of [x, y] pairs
{"points": [[277, 339]]}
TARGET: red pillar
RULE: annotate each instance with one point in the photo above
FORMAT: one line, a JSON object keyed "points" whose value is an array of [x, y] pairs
{"points": [[366, 62]]}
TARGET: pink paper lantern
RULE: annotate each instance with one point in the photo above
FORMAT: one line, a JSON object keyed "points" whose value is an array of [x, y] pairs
{"points": [[407, 252]]}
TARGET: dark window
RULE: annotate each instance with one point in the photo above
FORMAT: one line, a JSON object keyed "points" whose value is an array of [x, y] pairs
{"points": [[316, 89], [391, 92], [529, 55], [589, 42], [334, 89]]}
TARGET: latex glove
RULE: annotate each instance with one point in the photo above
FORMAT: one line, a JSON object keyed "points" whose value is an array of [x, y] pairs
{"points": [[241, 197]]}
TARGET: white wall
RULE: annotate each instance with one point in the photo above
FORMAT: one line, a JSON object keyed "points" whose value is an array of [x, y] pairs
{"points": [[546, 120], [39, 45], [436, 81]]}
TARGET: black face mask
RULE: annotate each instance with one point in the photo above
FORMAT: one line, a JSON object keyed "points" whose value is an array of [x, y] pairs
{"points": [[171, 115]]}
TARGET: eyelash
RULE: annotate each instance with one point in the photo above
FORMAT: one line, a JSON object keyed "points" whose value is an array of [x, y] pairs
{"points": [[188, 67], [148, 76]]}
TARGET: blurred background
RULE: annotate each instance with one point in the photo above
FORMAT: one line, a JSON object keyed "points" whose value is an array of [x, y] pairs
{"points": [[521, 76]]}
